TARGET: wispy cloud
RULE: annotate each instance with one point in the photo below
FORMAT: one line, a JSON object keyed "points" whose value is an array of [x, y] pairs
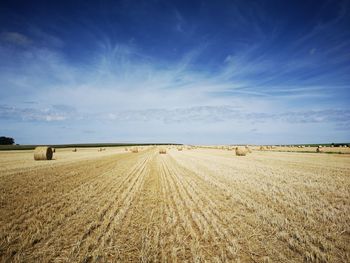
{"points": [[120, 86], [53, 113], [197, 114], [211, 71], [15, 38], [214, 114], [180, 22]]}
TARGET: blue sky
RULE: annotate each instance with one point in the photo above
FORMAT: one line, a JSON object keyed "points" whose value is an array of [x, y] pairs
{"points": [[200, 72]]}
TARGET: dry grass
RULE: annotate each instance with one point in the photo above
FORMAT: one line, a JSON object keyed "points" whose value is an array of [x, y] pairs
{"points": [[323, 149], [194, 206]]}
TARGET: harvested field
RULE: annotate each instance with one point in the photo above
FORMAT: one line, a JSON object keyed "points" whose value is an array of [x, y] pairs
{"points": [[334, 150], [202, 205]]}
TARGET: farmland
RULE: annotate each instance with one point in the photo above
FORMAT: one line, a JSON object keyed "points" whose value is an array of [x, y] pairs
{"points": [[191, 205]]}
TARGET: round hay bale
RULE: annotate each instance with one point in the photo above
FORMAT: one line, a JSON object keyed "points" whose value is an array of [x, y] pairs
{"points": [[248, 149], [134, 150], [126, 149], [75, 150], [162, 151], [241, 151], [43, 153], [179, 148], [319, 149]]}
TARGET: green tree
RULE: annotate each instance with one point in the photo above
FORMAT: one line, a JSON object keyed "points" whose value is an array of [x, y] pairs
{"points": [[6, 140]]}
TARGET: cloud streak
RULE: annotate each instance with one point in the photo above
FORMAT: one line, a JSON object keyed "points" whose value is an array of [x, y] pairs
{"points": [[214, 72], [15, 38], [198, 114], [54, 113]]}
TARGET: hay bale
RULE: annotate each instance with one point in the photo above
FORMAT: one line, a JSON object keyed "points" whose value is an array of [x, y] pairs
{"points": [[319, 149], [134, 150], [126, 149], [162, 151], [43, 153], [179, 148], [241, 151], [75, 150], [262, 148], [248, 149]]}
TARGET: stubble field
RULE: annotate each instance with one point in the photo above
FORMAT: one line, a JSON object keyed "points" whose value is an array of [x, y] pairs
{"points": [[192, 205]]}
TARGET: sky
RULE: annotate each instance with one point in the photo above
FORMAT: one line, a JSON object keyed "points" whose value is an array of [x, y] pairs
{"points": [[194, 72]]}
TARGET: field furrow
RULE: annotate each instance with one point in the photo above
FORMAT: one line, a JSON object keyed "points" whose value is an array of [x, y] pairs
{"points": [[287, 213], [183, 206]]}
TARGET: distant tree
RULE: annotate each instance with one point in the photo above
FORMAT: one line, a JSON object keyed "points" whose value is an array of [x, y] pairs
{"points": [[6, 140]]}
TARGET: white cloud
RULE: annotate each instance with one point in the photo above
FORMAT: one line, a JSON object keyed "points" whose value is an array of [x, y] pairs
{"points": [[15, 38], [125, 91], [36, 114], [180, 22]]}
